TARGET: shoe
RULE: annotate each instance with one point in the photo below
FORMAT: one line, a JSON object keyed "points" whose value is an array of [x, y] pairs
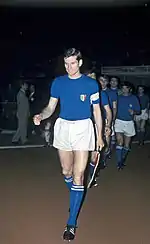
{"points": [[69, 233], [119, 167], [15, 142], [94, 183], [141, 143]]}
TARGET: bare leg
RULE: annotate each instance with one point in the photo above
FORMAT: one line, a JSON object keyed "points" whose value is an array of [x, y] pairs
{"points": [[66, 160]]}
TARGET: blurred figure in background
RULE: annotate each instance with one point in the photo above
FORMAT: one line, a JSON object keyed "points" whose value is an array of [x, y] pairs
{"points": [[32, 101], [128, 107], [143, 117], [22, 114]]}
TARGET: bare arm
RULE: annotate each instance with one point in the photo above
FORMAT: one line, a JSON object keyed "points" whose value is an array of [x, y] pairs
{"points": [[108, 115], [114, 110], [49, 110], [98, 118]]}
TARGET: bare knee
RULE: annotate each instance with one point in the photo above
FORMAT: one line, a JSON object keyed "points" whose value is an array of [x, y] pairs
{"points": [[66, 159], [78, 178], [119, 138], [67, 172]]}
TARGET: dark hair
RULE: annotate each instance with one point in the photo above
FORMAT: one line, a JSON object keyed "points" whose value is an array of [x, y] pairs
{"points": [[103, 77], [73, 52], [127, 84]]}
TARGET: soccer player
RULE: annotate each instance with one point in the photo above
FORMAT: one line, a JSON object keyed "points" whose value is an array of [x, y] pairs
{"points": [[128, 106], [107, 115], [73, 131], [114, 87], [143, 117], [114, 83], [112, 96]]}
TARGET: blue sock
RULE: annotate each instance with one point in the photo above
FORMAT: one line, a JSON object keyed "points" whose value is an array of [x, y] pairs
{"points": [[119, 155], [92, 166], [76, 196], [68, 182], [125, 151]]}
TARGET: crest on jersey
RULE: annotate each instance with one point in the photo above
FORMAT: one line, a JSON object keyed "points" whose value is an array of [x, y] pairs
{"points": [[82, 97], [130, 105]]}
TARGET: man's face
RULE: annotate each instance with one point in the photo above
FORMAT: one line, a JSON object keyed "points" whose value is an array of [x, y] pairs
{"points": [[113, 83], [104, 83], [25, 86], [140, 90], [32, 89], [72, 65], [125, 89]]}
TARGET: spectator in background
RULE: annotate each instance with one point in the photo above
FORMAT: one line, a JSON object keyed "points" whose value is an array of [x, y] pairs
{"points": [[143, 117], [22, 115], [32, 101]]}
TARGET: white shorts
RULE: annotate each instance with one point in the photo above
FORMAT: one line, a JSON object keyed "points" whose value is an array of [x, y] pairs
{"points": [[125, 127], [142, 116], [74, 135]]}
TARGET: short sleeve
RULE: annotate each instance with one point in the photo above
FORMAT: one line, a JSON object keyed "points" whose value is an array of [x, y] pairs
{"points": [[114, 96], [136, 104], [55, 89], [104, 99], [95, 99]]}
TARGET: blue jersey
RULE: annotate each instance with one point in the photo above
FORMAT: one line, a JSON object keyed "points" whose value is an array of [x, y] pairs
{"points": [[104, 101], [124, 104], [112, 95], [144, 101], [76, 96], [117, 90]]}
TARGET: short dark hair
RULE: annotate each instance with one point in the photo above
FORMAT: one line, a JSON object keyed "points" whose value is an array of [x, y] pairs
{"points": [[127, 84], [103, 77], [73, 52]]}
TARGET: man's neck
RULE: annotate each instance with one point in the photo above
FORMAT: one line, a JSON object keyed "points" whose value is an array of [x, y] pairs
{"points": [[75, 76], [114, 88], [21, 89]]}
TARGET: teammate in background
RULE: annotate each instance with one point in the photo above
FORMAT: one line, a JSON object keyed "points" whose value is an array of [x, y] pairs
{"points": [[143, 117], [73, 131], [107, 115], [112, 96], [128, 106], [114, 86]]}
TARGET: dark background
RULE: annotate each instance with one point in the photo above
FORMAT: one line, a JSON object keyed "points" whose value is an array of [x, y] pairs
{"points": [[112, 36]]}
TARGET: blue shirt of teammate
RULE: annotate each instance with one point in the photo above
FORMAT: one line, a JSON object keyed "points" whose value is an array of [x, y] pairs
{"points": [[76, 96], [124, 104], [112, 95], [104, 102], [144, 101]]}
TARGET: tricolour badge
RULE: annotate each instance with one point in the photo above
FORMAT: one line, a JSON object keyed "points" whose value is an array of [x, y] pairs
{"points": [[82, 97]]}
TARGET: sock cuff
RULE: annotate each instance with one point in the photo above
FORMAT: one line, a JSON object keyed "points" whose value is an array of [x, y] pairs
{"points": [[119, 147], [67, 180], [126, 149], [77, 187], [91, 164]]}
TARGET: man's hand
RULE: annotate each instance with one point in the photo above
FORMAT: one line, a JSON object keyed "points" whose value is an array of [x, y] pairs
{"points": [[131, 111], [37, 119], [107, 131], [99, 143]]}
